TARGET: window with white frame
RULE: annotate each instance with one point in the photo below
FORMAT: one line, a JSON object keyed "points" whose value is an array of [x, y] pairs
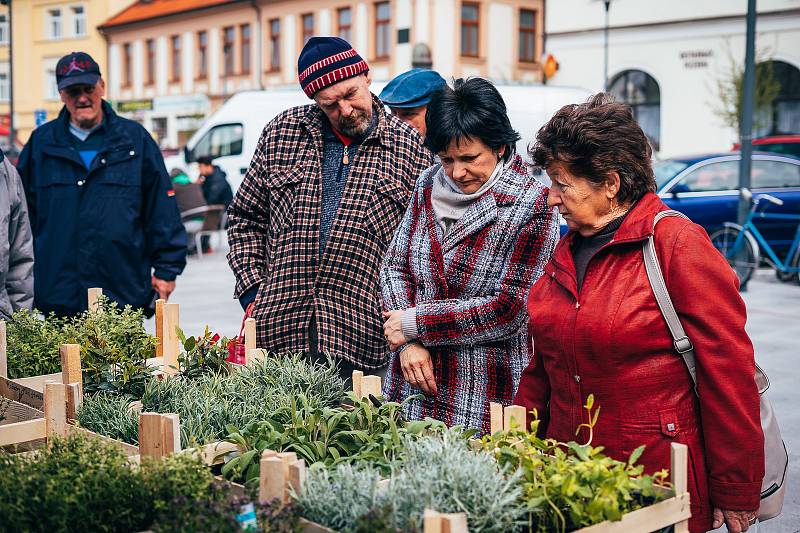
{"points": [[50, 89], [78, 21], [54, 28], [4, 87], [3, 29]]}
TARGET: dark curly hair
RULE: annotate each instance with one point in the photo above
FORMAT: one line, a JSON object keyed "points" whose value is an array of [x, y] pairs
{"points": [[472, 109], [595, 138]]}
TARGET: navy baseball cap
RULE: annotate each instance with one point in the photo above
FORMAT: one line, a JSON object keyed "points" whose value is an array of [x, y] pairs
{"points": [[412, 89], [76, 68]]}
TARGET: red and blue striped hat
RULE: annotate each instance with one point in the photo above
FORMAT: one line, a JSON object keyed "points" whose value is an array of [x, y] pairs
{"points": [[325, 61]]}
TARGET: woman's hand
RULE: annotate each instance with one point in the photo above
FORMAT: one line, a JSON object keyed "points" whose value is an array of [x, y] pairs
{"points": [[393, 328], [415, 361], [736, 521]]}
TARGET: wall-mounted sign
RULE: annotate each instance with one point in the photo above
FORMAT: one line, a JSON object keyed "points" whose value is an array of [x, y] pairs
{"points": [[131, 106], [696, 58]]}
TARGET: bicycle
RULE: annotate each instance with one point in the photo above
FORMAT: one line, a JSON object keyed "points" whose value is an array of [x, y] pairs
{"points": [[741, 245]]}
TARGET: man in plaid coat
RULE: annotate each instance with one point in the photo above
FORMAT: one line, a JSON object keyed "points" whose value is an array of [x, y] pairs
{"points": [[309, 226]]}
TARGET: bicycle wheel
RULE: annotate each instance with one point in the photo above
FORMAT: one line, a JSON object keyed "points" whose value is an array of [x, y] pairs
{"points": [[742, 259]]}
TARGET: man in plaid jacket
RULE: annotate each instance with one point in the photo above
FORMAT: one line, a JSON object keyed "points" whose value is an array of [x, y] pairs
{"points": [[308, 228]]}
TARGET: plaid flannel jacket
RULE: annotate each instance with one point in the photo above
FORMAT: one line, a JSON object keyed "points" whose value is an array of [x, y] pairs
{"points": [[274, 234], [470, 291]]}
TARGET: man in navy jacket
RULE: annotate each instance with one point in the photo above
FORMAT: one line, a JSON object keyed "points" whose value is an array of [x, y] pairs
{"points": [[102, 208]]}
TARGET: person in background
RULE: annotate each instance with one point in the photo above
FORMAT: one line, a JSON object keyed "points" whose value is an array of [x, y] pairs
{"points": [[597, 328], [216, 189], [16, 244], [101, 204], [455, 279], [189, 196], [409, 94], [309, 225]]}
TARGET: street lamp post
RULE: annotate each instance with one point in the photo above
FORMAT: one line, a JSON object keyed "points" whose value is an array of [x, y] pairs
{"points": [[605, 47], [745, 162]]}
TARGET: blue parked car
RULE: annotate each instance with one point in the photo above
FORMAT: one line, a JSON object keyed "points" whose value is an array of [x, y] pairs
{"points": [[705, 188]]}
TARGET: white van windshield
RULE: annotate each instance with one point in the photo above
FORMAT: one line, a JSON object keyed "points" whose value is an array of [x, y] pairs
{"points": [[222, 140]]}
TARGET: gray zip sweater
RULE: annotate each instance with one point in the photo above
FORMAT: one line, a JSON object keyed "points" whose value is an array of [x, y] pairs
{"points": [[16, 243]]}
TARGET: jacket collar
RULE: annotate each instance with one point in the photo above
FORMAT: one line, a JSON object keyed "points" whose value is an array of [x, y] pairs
{"points": [[484, 210], [315, 119], [59, 135], [636, 227]]}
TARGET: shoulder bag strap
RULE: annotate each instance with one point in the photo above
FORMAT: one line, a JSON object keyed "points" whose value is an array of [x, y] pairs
{"points": [[680, 341]]}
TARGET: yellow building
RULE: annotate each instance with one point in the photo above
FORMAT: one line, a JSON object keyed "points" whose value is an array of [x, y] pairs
{"points": [[43, 31]]}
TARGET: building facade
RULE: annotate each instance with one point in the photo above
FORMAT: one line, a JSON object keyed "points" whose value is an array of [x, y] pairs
{"points": [[45, 30], [666, 60], [170, 63]]}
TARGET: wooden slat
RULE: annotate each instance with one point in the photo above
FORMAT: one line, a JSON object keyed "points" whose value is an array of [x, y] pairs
{"points": [[3, 350], [297, 476], [19, 412], [21, 393], [20, 432], [93, 298], [431, 521], [650, 518], [495, 417], [273, 479], [215, 452], [74, 400], [256, 354], [358, 377], [249, 335], [454, 523], [171, 342], [371, 385], [514, 416], [127, 449], [679, 456], [170, 434], [160, 327], [150, 443], [307, 526], [71, 364], [55, 408]]}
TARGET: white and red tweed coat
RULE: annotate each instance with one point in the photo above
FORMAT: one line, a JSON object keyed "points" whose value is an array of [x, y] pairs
{"points": [[470, 289]]}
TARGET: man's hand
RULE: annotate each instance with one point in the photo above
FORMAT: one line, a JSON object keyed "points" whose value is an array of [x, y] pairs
{"points": [[393, 329], [162, 287], [736, 521], [415, 361]]}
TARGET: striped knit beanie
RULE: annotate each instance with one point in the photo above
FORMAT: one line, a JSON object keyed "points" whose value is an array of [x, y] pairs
{"points": [[325, 61]]}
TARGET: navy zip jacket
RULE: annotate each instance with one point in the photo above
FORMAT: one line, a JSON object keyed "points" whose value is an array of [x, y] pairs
{"points": [[111, 225]]}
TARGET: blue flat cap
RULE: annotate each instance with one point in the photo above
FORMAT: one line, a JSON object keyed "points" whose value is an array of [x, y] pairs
{"points": [[412, 89]]}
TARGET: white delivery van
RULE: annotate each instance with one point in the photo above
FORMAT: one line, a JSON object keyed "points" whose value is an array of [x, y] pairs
{"points": [[231, 133]]}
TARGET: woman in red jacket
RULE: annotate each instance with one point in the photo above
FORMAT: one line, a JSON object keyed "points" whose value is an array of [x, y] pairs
{"points": [[597, 328]]}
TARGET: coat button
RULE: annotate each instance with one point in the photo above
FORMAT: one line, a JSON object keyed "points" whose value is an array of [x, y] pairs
{"points": [[577, 378], [80, 183], [102, 161], [577, 305], [131, 153], [670, 427]]}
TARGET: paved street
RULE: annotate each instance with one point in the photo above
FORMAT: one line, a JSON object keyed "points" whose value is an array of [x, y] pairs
{"points": [[205, 294]]}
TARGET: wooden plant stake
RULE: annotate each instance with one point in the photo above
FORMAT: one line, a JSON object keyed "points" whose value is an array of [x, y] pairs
{"points": [[274, 478], [74, 400], [3, 350], [93, 296], [371, 385], [171, 342], [55, 409], [71, 364], [256, 354], [358, 378], [680, 482], [170, 434], [160, 327], [249, 335], [495, 417], [150, 441], [514, 416], [434, 522]]}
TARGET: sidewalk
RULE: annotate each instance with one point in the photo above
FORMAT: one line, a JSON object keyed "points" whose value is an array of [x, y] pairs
{"points": [[205, 292]]}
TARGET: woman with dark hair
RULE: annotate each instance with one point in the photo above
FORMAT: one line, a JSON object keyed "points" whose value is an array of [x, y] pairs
{"points": [[597, 328], [476, 235]]}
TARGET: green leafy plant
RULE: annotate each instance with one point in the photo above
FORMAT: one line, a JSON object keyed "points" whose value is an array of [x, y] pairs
{"points": [[211, 402], [110, 415], [202, 353], [330, 435], [82, 484], [33, 343], [567, 486], [438, 471]]}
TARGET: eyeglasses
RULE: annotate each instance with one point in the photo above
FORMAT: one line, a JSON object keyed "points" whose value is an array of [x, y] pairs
{"points": [[77, 90]]}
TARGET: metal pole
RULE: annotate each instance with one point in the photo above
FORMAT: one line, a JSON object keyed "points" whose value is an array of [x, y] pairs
{"points": [[747, 111], [605, 47]]}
